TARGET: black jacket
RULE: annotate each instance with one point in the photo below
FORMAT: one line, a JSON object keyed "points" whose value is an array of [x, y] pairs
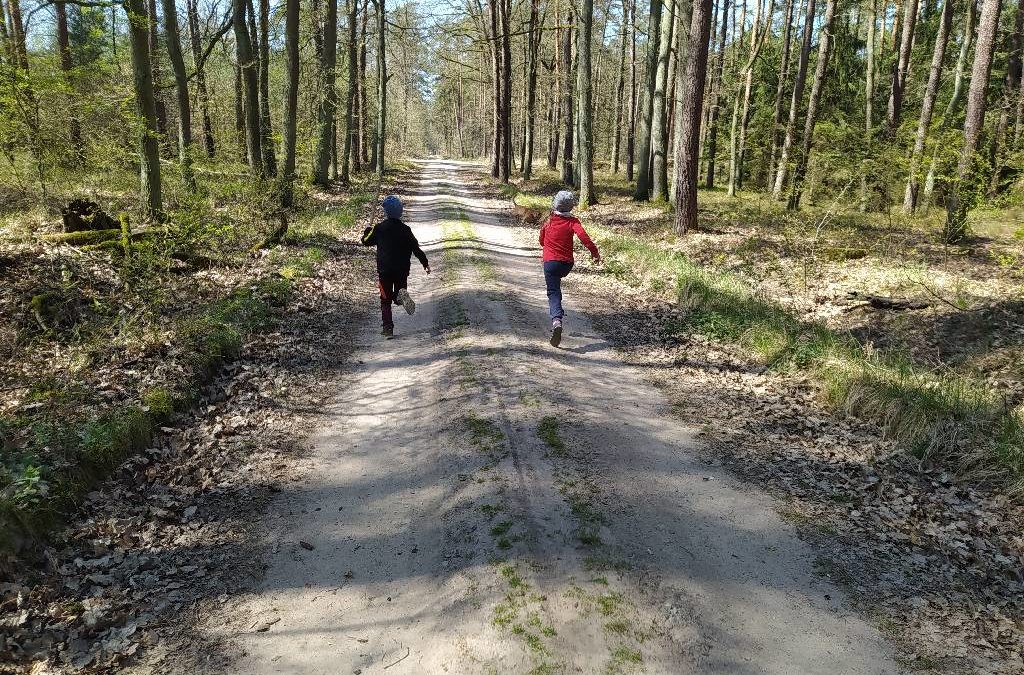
{"points": [[395, 242]]}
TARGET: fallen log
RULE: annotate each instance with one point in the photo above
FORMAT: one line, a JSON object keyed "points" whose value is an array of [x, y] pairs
{"points": [[84, 237], [841, 253], [883, 302]]}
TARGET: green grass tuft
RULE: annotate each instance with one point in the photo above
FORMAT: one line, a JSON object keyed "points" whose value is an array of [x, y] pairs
{"points": [[625, 656], [501, 528], [547, 431]]}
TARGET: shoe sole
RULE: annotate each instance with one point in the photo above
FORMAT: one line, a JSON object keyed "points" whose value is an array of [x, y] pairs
{"points": [[556, 336], [406, 301]]}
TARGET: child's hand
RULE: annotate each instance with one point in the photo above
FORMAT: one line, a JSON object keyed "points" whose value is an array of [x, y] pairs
{"points": [[426, 268], [597, 259]]}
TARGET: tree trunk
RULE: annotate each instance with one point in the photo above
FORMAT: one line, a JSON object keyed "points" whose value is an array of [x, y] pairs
{"points": [[5, 36], [794, 105], [250, 87], [382, 85], [334, 138], [145, 101], [460, 106], [659, 111], [173, 39], [869, 94], [902, 66], [19, 59], [328, 107], [554, 134], [240, 116], [716, 86], [738, 147], [1010, 101], [676, 61], [291, 98], [364, 138], [350, 144], [631, 125], [154, 59], [600, 72], [586, 112], [963, 194], [506, 91], [928, 105], [691, 108], [493, 13], [620, 87], [811, 119], [66, 67], [643, 178], [266, 129], [780, 91], [955, 98], [534, 38], [20, 48], [357, 86], [567, 103], [203, 93]]}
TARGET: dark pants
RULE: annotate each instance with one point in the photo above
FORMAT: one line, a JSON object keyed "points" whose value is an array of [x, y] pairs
{"points": [[554, 271], [389, 287]]}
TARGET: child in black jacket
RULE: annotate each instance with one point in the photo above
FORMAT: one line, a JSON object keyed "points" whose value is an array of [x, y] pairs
{"points": [[395, 243]]}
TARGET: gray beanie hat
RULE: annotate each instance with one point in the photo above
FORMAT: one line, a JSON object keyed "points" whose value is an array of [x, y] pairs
{"points": [[565, 201]]}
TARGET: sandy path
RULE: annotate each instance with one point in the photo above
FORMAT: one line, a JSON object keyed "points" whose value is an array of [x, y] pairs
{"points": [[436, 530]]}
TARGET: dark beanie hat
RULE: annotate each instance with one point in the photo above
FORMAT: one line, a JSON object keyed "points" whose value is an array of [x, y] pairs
{"points": [[392, 206]]}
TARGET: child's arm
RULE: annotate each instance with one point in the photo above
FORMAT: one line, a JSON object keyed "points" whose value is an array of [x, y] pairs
{"points": [[418, 252], [543, 229], [370, 236], [586, 240]]}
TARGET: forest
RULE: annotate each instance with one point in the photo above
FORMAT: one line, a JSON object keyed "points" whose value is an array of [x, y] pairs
{"points": [[811, 222], [887, 106]]}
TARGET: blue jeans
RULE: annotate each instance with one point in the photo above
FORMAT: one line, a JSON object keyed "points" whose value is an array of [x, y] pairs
{"points": [[554, 271]]}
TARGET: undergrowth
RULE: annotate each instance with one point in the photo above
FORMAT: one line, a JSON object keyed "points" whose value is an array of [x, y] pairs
{"points": [[936, 415], [63, 440]]}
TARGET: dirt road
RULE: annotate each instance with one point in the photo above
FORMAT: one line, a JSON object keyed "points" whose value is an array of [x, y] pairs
{"points": [[482, 502]]}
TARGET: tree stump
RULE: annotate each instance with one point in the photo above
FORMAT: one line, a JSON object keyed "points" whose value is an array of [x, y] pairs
{"points": [[82, 215]]}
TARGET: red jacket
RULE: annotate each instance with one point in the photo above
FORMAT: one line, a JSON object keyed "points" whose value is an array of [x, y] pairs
{"points": [[556, 238]]}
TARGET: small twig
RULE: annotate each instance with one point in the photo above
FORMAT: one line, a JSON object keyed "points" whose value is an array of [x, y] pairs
{"points": [[407, 651], [935, 295]]}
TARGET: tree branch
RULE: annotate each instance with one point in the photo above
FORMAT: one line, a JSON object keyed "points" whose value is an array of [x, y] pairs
{"points": [[225, 27]]}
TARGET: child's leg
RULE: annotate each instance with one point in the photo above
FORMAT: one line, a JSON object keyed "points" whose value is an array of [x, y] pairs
{"points": [[400, 283], [387, 295], [553, 273], [402, 296]]}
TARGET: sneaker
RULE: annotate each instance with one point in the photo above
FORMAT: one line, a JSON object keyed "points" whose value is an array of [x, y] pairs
{"points": [[388, 333], [406, 301], [556, 333]]}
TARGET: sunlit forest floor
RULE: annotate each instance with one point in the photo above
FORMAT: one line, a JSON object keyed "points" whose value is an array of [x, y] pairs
{"points": [[103, 339], [828, 262], [872, 424], [951, 317], [765, 328]]}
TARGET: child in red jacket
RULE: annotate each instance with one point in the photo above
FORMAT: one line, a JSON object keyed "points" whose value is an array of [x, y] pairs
{"points": [[556, 239]]}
